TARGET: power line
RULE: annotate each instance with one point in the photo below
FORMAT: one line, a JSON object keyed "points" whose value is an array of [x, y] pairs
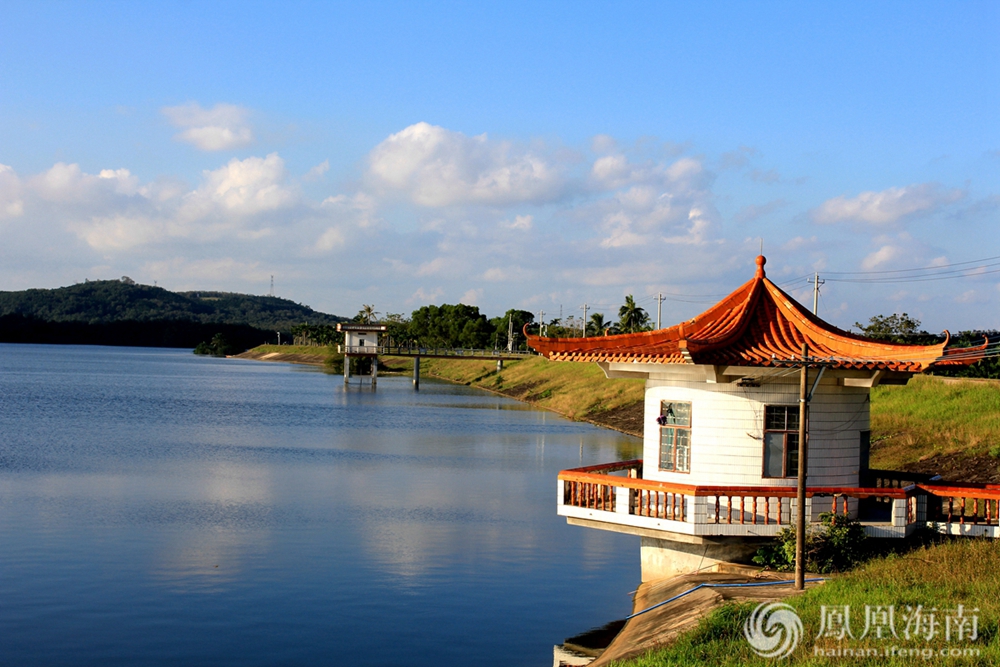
{"points": [[926, 268]]}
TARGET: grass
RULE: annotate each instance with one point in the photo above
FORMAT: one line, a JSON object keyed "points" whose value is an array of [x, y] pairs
{"points": [[573, 390], [929, 417], [938, 577]]}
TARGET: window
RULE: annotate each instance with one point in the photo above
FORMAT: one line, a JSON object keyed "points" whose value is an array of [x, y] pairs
{"points": [[675, 436], [781, 441]]}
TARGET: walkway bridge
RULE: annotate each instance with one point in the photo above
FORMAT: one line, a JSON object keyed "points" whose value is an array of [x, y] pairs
{"points": [[415, 352]]}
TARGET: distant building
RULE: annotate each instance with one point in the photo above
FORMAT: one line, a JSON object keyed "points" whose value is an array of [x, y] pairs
{"points": [[360, 339]]}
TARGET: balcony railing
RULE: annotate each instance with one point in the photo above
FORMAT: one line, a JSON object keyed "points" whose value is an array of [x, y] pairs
{"points": [[615, 493]]}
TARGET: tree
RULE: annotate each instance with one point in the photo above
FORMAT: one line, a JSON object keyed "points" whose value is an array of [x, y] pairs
{"points": [[893, 328], [631, 317], [450, 326], [597, 326], [397, 329], [367, 314], [501, 325]]}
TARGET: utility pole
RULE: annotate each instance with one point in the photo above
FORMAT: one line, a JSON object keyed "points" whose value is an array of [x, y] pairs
{"points": [[584, 327], [541, 323], [659, 301], [816, 283], [272, 285], [510, 333], [800, 518]]}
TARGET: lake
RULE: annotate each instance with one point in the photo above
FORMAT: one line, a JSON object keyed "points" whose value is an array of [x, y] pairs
{"points": [[159, 508]]}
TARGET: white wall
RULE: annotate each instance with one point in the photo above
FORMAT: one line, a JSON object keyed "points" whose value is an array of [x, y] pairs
{"points": [[727, 423]]}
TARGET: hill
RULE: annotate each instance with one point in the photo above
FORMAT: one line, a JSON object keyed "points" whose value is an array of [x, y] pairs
{"points": [[122, 312], [108, 301]]}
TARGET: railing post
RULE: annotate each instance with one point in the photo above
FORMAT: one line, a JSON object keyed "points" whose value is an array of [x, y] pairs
{"points": [[623, 500], [899, 511], [560, 492]]}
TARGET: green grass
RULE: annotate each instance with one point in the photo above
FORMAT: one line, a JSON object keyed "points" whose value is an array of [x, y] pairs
{"points": [[938, 577], [929, 417]]}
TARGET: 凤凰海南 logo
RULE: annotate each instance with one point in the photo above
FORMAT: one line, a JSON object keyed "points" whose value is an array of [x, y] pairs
{"points": [[773, 630]]}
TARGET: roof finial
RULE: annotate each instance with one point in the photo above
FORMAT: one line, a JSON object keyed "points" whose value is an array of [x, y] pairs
{"points": [[760, 266]]}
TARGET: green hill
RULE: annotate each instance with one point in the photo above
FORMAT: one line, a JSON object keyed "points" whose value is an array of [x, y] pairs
{"points": [[108, 301], [121, 312]]}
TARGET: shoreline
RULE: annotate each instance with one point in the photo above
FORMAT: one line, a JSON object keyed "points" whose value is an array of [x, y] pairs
{"points": [[616, 404]]}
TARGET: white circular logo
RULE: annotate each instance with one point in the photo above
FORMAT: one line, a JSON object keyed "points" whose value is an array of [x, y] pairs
{"points": [[773, 630]]}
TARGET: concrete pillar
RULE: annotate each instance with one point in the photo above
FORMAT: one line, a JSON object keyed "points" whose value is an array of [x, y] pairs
{"points": [[374, 371], [347, 369], [499, 365], [416, 373], [662, 559]]}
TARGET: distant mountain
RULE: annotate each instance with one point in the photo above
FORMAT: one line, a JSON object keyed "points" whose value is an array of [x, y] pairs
{"points": [[109, 301]]}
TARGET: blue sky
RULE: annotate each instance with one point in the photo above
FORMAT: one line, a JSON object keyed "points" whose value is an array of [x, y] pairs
{"points": [[532, 155]]}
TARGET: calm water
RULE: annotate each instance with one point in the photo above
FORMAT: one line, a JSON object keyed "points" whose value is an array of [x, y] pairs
{"points": [[162, 509]]}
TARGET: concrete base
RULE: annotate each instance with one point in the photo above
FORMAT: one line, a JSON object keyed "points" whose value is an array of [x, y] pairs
{"points": [[666, 558]]}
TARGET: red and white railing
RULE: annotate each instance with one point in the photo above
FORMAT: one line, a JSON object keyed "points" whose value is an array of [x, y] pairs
{"points": [[615, 493]]}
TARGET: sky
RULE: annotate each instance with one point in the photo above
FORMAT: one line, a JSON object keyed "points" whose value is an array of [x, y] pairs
{"points": [[535, 155]]}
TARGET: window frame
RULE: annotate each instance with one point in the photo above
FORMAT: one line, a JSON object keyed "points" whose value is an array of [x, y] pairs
{"points": [[675, 427], [786, 432]]}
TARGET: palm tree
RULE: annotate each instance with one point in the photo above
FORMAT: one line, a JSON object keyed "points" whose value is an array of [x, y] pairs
{"points": [[367, 313], [597, 326], [631, 317]]}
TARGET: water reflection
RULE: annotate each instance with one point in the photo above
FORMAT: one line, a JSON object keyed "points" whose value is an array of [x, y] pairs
{"points": [[268, 515]]}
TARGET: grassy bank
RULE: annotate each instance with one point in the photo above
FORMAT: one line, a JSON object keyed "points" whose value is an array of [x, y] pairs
{"points": [[931, 422], [577, 391], [939, 578]]}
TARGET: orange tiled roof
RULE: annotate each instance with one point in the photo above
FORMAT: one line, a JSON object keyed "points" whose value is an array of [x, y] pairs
{"points": [[757, 325]]}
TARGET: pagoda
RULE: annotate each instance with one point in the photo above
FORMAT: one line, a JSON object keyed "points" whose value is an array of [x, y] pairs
{"points": [[721, 432]]}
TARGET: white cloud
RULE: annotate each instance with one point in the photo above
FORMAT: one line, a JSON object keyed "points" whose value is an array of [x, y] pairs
{"points": [[885, 254], [317, 172], [472, 297], [968, 296], [432, 267], [223, 127], [205, 273], [888, 206], [438, 167], [424, 297], [11, 203], [245, 187], [520, 222]]}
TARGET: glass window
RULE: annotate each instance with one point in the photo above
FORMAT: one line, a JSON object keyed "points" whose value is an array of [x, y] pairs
{"points": [[675, 436], [781, 441]]}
